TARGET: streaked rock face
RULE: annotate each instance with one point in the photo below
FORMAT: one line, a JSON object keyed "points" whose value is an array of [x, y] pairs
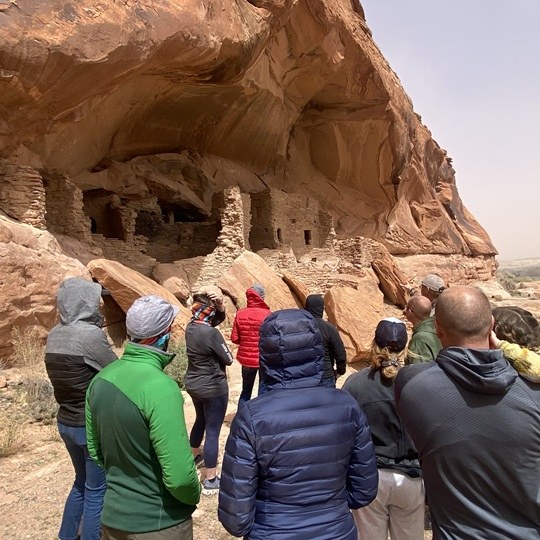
{"points": [[32, 266], [287, 94], [143, 132]]}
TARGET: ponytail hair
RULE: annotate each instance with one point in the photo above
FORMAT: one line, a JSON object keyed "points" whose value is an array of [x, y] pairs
{"points": [[386, 361]]}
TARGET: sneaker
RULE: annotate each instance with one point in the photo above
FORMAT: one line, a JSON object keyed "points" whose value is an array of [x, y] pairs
{"points": [[211, 486], [199, 461]]}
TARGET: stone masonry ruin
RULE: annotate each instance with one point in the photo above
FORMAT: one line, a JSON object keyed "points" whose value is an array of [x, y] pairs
{"points": [[287, 219]]}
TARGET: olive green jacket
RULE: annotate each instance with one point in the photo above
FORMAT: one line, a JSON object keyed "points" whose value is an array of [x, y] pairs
{"points": [[424, 345]]}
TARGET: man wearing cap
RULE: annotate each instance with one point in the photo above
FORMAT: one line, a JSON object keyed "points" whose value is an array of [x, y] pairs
{"points": [[431, 287], [136, 430], [476, 425], [335, 357], [245, 333], [77, 349], [424, 345]]}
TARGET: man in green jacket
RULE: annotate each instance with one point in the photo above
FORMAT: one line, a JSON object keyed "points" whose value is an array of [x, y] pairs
{"points": [[137, 432], [424, 345]]}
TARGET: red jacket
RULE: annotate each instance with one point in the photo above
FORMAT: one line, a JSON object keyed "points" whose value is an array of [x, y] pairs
{"points": [[245, 330]]}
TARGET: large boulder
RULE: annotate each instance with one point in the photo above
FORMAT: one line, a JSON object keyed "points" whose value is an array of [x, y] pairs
{"points": [[32, 267], [355, 312], [169, 276], [126, 285], [248, 269]]}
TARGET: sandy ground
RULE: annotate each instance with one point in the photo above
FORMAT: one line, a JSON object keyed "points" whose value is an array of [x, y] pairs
{"points": [[34, 482]]}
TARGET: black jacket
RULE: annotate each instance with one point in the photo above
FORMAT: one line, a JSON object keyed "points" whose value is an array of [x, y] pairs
{"points": [[393, 446], [208, 355], [476, 425], [334, 350], [77, 348]]}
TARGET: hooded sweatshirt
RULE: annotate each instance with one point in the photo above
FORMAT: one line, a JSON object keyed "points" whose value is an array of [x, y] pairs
{"points": [[335, 356], [476, 425], [77, 347], [299, 456]]}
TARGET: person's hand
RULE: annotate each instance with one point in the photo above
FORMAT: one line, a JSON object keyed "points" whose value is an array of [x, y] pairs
{"points": [[218, 300], [494, 341]]}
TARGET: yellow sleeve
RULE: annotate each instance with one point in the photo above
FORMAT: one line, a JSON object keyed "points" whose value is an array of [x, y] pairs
{"points": [[526, 362]]}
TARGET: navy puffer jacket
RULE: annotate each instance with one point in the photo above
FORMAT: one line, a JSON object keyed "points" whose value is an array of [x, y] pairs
{"points": [[299, 456]]}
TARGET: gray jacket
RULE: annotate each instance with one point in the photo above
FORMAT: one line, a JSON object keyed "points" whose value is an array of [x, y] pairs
{"points": [[77, 347], [476, 425]]}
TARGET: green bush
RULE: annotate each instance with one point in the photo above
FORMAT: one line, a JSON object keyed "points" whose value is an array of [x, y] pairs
{"points": [[178, 367]]}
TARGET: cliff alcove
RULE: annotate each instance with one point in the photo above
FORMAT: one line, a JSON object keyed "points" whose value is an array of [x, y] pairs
{"points": [[124, 126]]}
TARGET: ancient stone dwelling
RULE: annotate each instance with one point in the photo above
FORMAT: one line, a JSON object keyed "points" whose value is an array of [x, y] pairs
{"points": [[176, 144]]}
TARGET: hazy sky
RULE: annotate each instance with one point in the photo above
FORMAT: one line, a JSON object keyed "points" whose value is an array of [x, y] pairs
{"points": [[472, 70]]}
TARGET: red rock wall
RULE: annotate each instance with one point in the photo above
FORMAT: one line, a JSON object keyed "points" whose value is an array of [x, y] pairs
{"points": [[290, 94]]}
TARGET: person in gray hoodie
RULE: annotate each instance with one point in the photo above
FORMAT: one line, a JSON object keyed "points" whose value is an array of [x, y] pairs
{"points": [[476, 425], [77, 349]]}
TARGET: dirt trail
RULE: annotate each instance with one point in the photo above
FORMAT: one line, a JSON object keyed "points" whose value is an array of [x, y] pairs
{"points": [[34, 483]]}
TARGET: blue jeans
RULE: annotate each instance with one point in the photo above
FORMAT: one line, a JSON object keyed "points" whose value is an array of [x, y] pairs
{"points": [[209, 416], [248, 381], [82, 511]]}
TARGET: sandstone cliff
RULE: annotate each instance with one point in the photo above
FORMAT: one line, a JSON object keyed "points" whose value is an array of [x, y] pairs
{"points": [[290, 94], [125, 124]]}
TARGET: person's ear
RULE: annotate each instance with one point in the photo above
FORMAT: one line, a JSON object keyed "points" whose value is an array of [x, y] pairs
{"points": [[492, 323], [439, 330]]}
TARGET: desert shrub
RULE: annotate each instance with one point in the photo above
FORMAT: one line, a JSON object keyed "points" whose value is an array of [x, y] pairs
{"points": [[177, 368], [38, 398], [28, 347], [11, 430], [35, 392], [508, 281]]}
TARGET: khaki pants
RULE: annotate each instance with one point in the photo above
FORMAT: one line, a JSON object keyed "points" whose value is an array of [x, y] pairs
{"points": [[398, 509], [182, 531]]}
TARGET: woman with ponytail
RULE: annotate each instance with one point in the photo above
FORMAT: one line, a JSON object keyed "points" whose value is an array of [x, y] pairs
{"points": [[399, 506]]}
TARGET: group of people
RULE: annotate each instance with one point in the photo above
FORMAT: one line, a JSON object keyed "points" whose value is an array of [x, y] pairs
{"points": [[443, 416]]}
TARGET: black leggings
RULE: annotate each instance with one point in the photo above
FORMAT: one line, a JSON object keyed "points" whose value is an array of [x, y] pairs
{"points": [[210, 413]]}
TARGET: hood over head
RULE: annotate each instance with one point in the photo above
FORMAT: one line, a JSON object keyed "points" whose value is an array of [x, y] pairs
{"points": [[291, 351], [480, 371], [254, 299], [78, 300], [315, 305]]}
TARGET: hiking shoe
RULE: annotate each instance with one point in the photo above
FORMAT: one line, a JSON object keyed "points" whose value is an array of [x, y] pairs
{"points": [[211, 486], [199, 461]]}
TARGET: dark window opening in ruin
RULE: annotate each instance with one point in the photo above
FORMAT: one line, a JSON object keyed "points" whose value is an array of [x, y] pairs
{"points": [[183, 213], [148, 224], [307, 237], [178, 230], [279, 236], [102, 207]]}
